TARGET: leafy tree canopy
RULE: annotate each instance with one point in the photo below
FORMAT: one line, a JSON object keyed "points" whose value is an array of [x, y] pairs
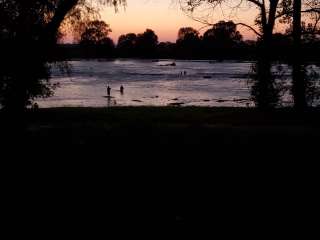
{"points": [[223, 34], [96, 33]]}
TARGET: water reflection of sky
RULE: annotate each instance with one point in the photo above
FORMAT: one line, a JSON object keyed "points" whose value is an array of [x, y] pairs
{"points": [[151, 83]]}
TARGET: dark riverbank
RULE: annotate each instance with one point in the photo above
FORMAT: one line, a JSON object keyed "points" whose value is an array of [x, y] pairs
{"points": [[170, 127], [220, 170], [189, 134]]}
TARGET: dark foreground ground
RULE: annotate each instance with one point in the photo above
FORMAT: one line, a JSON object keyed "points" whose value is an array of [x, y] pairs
{"points": [[229, 171]]}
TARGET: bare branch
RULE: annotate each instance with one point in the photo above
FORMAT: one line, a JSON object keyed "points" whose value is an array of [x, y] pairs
{"points": [[256, 2], [250, 28], [312, 10]]}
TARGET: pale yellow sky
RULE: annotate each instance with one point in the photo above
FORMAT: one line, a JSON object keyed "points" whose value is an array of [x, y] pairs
{"points": [[163, 16]]}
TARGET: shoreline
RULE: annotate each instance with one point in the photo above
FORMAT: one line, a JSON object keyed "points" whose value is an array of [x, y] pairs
{"points": [[178, 132], [177, 115]]}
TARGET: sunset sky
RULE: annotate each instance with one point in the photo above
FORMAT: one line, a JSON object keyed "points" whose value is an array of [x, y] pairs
{"points": [[163, 16]]}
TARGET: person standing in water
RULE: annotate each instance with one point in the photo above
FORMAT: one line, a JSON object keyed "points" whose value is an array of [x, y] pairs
{"points": [[121, 89], [108, 90]]}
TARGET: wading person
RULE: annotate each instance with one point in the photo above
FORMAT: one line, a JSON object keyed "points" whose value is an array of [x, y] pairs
{"points": [[121, 89]]}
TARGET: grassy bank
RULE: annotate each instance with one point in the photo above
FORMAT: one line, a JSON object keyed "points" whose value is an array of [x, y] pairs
{"points": [[216, 168], [195, 130]]}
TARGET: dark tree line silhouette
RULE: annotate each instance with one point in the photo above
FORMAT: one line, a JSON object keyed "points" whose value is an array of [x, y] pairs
{"points": [[142, 45], [95, 41], [221, 41]]}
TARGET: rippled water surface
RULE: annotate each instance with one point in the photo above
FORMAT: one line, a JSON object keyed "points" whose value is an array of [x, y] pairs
{"points": [[151, 83]]}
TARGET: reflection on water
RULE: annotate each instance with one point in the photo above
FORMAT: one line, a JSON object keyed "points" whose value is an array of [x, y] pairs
{"points": [[152, 83]]}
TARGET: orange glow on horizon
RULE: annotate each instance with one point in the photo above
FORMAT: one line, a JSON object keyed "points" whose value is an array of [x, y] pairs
{"points": [[162, 16]]}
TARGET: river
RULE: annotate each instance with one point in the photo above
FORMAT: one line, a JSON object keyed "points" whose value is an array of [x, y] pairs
{"points": [[151, 83]]}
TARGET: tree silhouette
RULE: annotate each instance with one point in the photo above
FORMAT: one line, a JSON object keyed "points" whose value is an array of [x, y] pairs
{"points": [[95, 41], [301, 32], [298, 76], [28, 33], [126, 45], [141, 45], [270, 11], [186, 33], [265, 23], [96, 33], [223, 35], [146, 44], [221, 39], [166, 50], [188, 43]]}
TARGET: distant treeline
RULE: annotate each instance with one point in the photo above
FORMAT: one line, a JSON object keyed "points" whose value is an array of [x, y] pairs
{"points": [[222, 41]]}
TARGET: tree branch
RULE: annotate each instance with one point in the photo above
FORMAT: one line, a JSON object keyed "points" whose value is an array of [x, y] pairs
{"points": [[256, 2], [250, 28], [312, 10], [63, 8]]}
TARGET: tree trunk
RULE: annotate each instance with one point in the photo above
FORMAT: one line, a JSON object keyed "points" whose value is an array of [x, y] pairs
{"points": [[48, 38], [264, 91], [50, 32], [298, 76]]}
